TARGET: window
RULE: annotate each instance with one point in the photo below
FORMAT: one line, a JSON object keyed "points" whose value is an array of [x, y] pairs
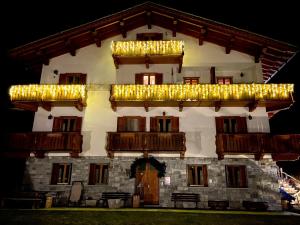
{"points": [[98, 174], [236, 176], [148, 78], [231, 124], [224, 80], [61, 173], [72, 78], [164, 124], [191, 80], [197, 175], [131, 123], [67, 124]]}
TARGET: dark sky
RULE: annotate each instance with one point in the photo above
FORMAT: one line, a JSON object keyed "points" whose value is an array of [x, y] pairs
{"points": [[25, 21]]}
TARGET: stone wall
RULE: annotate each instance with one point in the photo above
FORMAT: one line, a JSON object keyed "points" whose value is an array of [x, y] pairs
{"points": [[262, 179]]}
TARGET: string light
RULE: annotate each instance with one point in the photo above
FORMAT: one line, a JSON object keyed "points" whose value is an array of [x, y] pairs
{"points": [[183, 92], [142, 48], [36, 92]]}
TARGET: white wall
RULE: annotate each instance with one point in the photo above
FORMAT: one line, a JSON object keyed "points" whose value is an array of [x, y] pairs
{"points": [[198, 123]]}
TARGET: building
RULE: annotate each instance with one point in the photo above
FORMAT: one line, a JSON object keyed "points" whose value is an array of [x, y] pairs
{"points": [[152, 100]]}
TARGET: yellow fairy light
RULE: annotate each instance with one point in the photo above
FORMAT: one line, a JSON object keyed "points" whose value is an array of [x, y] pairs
{"points": [[51, 92], [142, 48], [183, 92]]}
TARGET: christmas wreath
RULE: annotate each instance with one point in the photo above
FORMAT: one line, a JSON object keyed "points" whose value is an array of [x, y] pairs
{"points": [[141, 162]]}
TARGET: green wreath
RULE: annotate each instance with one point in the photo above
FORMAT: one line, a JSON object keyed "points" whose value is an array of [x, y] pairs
{"points": [[161, 167]]}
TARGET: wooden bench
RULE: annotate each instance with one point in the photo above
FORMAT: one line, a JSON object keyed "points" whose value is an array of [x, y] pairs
{"points": [[125, 196], [218, 204], [185, 197], [255, 205]]}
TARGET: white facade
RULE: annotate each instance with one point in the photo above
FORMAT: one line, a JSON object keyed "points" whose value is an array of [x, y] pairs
{"points": [[198, 123]]}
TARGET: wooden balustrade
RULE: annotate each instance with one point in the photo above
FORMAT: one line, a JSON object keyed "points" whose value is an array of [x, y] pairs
{"points": [[282, 147], [146, 142], [41, 142]]}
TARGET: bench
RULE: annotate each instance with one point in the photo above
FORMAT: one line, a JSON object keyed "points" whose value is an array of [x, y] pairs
{"points": [[185, 197], [218, 204], [125, 196], [22, 200], [255, 205]]}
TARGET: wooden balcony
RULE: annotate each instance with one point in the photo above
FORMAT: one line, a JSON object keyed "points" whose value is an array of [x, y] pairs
{"points": [[146, 142], [272, 96], [41, 142], [30, 97], [281, 147]]}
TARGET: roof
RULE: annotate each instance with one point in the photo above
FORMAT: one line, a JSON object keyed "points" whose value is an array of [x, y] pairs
{"points": [[273, 54]]}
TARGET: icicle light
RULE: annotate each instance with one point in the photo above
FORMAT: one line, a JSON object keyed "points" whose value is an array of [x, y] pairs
{"points": [[142, 48], [51, 92], [182, 92]]}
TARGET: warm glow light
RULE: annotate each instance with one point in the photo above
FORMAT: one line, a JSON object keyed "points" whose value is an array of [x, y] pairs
{"points": [[141, 48], [48, 92], [199, 92]]}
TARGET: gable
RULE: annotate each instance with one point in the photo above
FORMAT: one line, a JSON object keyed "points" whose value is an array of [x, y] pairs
{"points": [[271, 53]]}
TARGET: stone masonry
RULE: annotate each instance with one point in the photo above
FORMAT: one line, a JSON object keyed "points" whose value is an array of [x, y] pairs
{"points": [[261, 179]]}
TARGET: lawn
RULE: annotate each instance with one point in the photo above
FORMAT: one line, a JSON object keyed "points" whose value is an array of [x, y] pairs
{"points": [[78, 216]]}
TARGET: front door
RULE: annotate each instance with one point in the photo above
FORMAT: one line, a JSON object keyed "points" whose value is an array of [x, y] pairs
{"points": [[147, 184]]}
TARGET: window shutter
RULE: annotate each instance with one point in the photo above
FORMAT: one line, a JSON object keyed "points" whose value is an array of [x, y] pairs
{"points": [[82, 78], [121, 124], [78, 124], [92, 175], [139, 78], [219, 124], [243, 180], [142, 124], [63, 78], [158, 78], [57, 122], [241, 125], [153, 124], [55, 171], [175, 124], [205, 180]]}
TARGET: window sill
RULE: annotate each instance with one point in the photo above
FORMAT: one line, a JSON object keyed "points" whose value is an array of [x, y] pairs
{"points": [[196, 186]]}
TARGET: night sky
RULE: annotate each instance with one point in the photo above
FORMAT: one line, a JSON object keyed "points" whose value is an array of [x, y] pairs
{"points": [[27, 21]]}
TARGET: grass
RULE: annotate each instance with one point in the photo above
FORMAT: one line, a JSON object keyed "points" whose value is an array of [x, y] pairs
{"points": [[91, 216]]}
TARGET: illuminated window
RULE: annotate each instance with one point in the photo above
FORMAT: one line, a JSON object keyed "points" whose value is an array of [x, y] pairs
{"points": [[72, 78], [148, 78], [191, 80], [224, 80], [67, 124]]}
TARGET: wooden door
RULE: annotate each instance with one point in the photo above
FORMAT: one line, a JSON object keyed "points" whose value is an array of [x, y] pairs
{"points": [[147, 185]]}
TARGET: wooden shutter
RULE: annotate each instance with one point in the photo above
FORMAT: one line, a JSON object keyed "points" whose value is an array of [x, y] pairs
{"points": [[55, 173], [175, 124], [243, 180], [142, 124], [139, 78], [158, 78], [153, 124], [205, 180], [241, 125], [63, 78], [219, 124], [121, 127], [213, 75], [78, 124], [57, 123], [92, 175], [82, 78]]}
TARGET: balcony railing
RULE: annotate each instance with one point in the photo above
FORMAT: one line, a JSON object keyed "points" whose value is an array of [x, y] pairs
{"points": [[281, 147], [205, 95], [46, 95], [146, 142], [42, 142]]}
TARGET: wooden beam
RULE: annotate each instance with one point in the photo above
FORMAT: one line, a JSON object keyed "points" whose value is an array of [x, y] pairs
{"points": [[30, 106], [212, 75], [113, 105], [180, 105], [149, 24], [229, 45], [202, 35], [217, 106], [122, 28], [116, 61], [70, 47], [47, 106], [174, 27], [146, 106], [96, 38], [79, 106], [147, 61], [180, 63], [252, 106]]}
